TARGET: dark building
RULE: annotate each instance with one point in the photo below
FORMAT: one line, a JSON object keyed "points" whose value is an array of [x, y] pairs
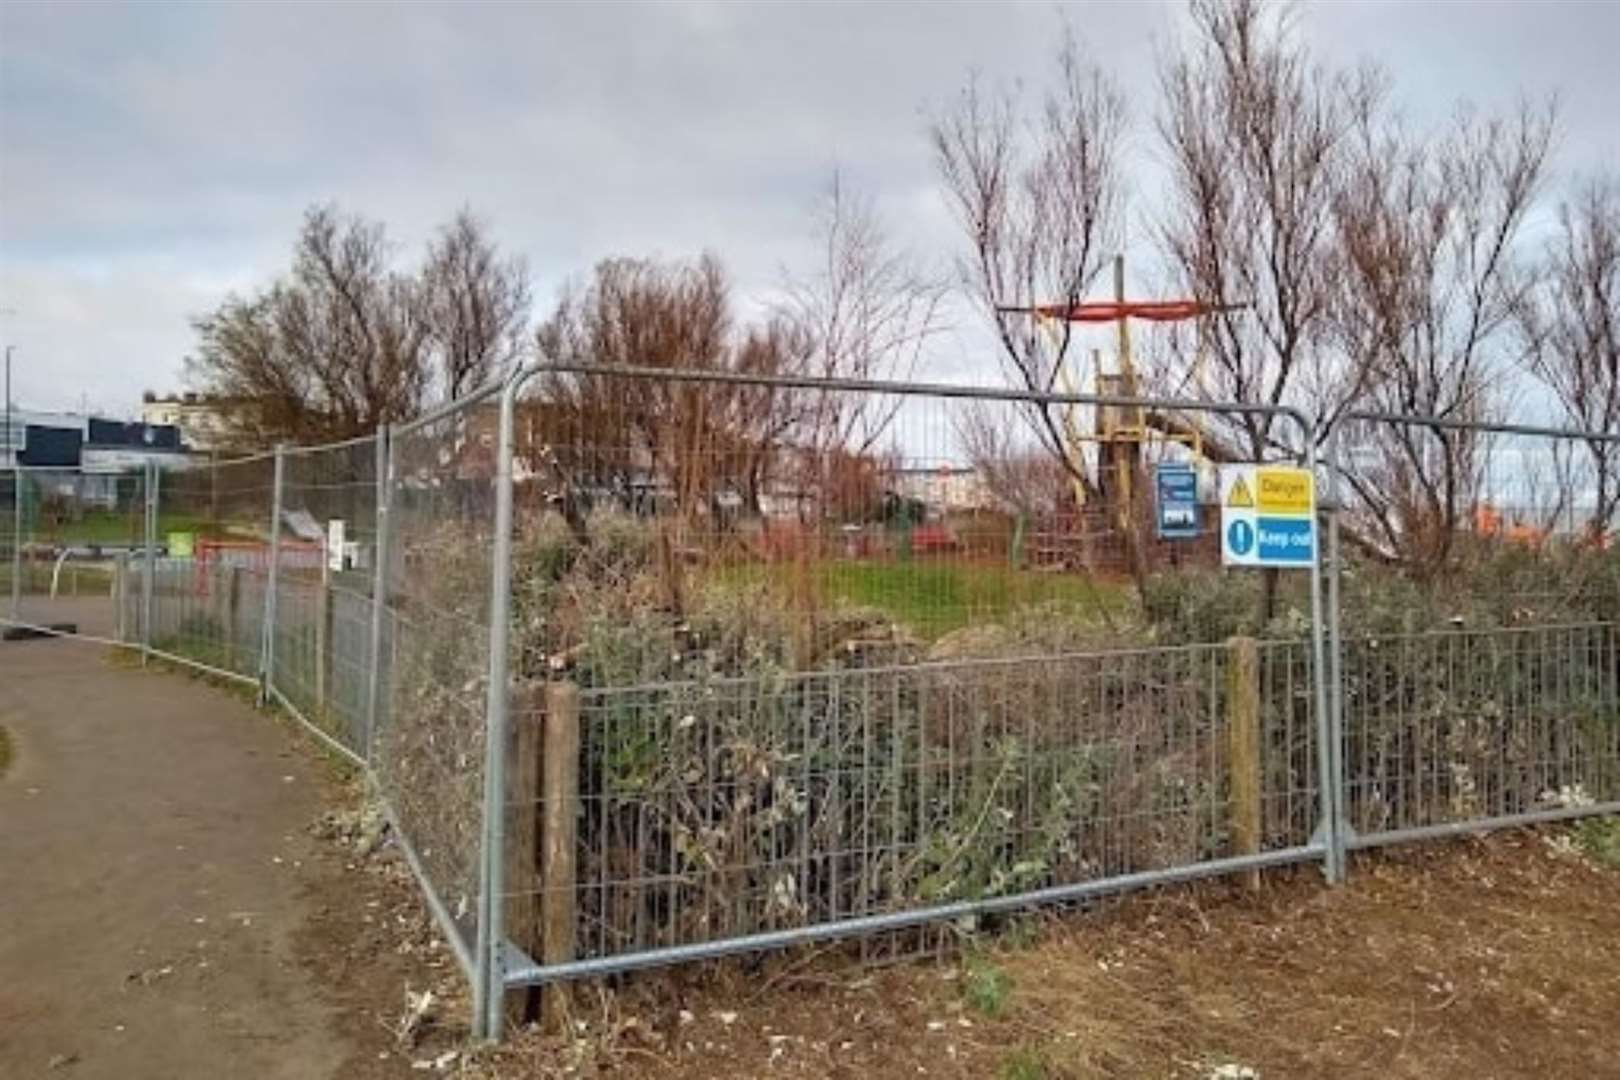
{"points": [[119, 434], [94, 445], [50, 447]]}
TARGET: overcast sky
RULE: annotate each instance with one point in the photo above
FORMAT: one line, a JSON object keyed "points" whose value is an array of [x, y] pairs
{"points": [[154, 157]]}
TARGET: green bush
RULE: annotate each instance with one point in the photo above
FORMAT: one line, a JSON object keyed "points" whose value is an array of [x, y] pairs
{"points": [[750, 763]]}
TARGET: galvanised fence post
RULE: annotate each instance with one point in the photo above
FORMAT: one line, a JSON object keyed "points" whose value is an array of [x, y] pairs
{"points": [[267, 661], [1341, 797], [1326, 755], [16, 541], [491, 994], [379, 583], [149, 572]]}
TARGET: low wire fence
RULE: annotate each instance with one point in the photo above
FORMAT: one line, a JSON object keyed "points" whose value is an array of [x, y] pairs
{"points": [[649, 667], [1452, 727], [717, 810], [1480, 687]]}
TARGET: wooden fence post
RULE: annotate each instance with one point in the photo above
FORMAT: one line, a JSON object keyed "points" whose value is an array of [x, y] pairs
{"points": [[559, 803], [233, 614], [323, 641], [120, 591], [523, 837], [1243, 749]]}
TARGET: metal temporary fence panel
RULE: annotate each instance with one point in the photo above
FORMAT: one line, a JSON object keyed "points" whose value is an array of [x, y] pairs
{"points": [[650, 667], [322, 611], [64, 531], [210, 529], [849, 659], [11, 534], [428, 749], [1476, 686]]}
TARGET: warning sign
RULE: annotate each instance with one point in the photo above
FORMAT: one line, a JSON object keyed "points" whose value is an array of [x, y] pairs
{"points": [[334, 545], [1175, 487], [1285, 491], [1268, 516]]}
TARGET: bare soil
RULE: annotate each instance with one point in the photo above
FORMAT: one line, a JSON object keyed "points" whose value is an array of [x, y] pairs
{"points": [[161, 892], [1493, 957]]}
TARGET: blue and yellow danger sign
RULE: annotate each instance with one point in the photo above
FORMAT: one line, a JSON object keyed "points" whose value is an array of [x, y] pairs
{"points": [[1268, 516]]}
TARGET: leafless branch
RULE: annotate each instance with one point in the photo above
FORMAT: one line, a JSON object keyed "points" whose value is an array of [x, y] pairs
{"points": [[1040, 200], [1569, 325]]}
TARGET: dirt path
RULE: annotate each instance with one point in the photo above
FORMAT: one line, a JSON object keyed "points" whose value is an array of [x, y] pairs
{"points": [[1488, 958], [156, 874]]}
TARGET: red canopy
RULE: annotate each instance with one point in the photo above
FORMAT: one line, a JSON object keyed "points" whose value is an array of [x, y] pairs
{"points": [[1104, 311]]}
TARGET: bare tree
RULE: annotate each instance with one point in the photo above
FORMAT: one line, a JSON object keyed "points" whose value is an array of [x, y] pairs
{"points": [[346, 342], [1257, 134], [864, 312], [639, 313], [692, 440], [1255, 131], [765, 418], [1041, 206], [332, 351], [1020, 474], [1570, 328], [476, 306], [1430, 227]]}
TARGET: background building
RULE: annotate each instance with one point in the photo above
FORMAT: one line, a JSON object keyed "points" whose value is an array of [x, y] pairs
{"points": [[200, 418], [91, 444]]}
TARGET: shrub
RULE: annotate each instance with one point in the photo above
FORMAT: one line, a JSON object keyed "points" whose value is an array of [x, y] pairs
{"points": [[754, 757], [986, 988]]}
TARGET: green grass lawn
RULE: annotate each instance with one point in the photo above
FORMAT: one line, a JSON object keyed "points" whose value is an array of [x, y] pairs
{"points": [[934, 597], [113, 527]]}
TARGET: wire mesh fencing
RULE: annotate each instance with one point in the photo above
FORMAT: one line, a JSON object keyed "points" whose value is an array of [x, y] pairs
{"points": [[1454, 727], [722, 809], [429, 747], [698, 664], [851, 660], [211, 540], [1478, 604], [65, 530], [321, 652], [11, 533], [667, 529]]}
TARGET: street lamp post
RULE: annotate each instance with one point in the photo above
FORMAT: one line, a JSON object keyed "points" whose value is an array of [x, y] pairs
{"points": [[16, 498]]}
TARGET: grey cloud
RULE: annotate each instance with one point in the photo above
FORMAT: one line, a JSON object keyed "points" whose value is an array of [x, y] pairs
{"points": [[154, 156]]}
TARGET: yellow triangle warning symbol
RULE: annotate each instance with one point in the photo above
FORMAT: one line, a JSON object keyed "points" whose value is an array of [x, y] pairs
{"points": [[1240, 495]]}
